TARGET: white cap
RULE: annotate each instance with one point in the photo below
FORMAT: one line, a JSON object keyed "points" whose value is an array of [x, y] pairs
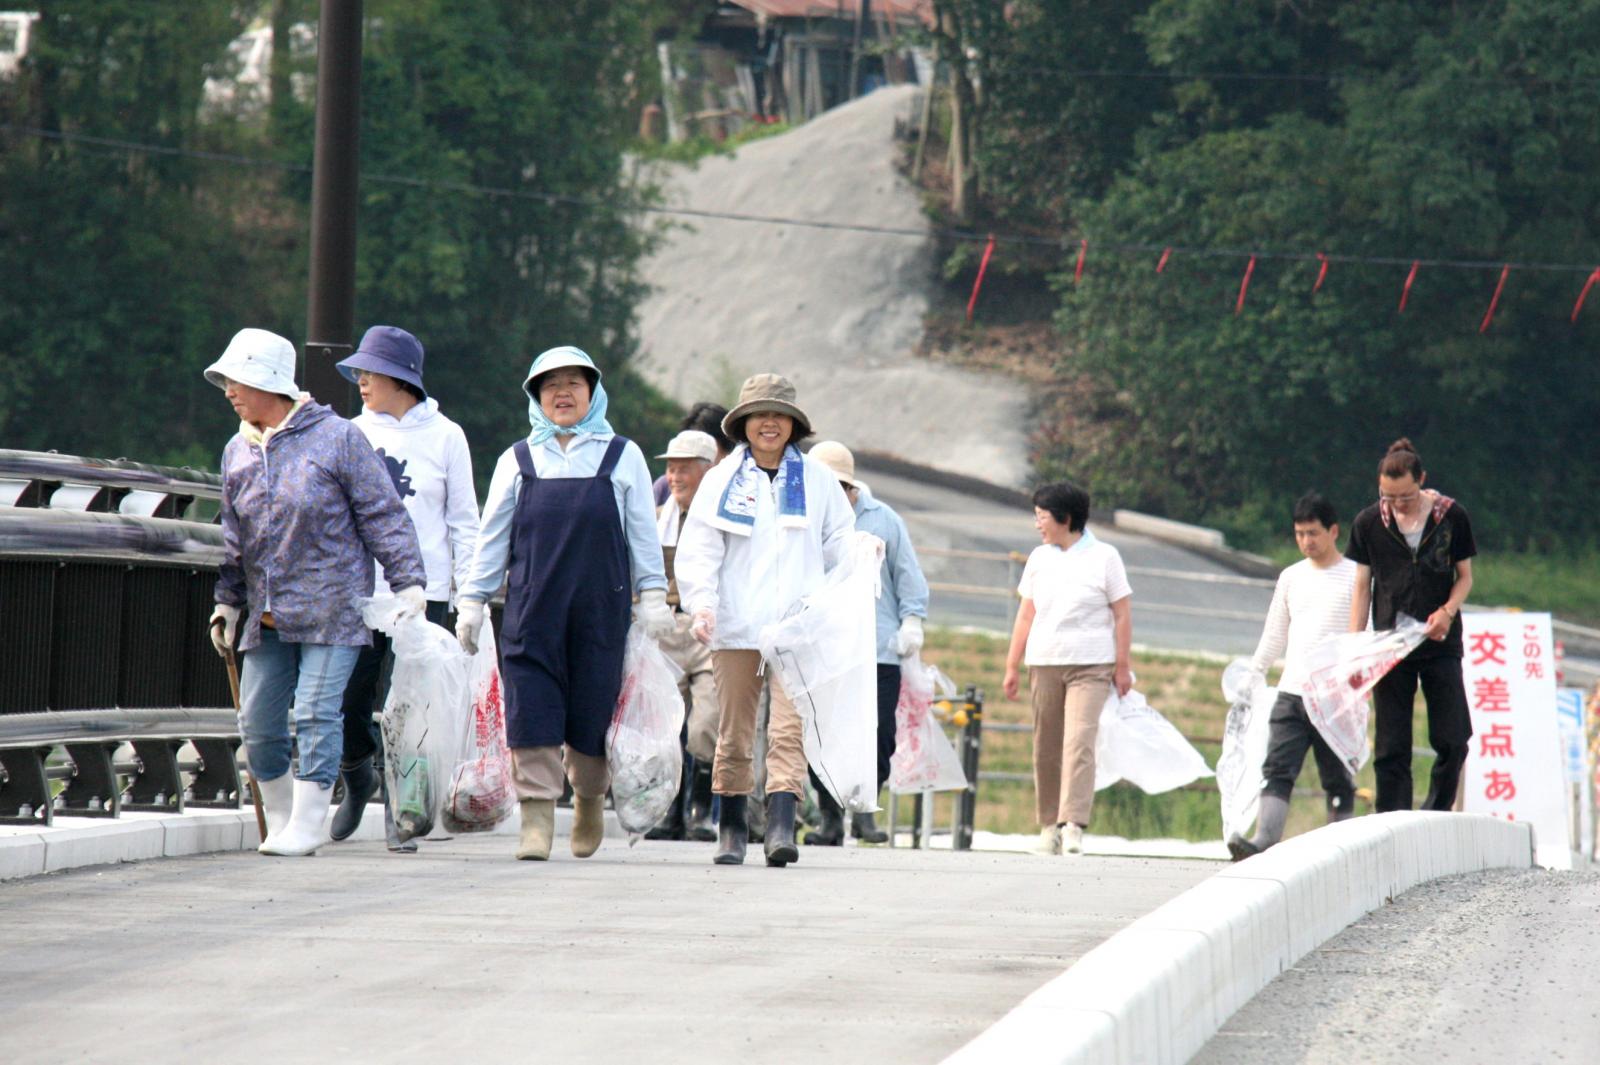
{"points": [[838, 459], [259, 359], [691, 444]]}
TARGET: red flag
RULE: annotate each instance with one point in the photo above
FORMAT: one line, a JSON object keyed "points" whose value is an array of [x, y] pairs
{"points": [[1587, 285], [1083, 251], [1322, 274], [1244, 284], [1494, 301], [983, 266], [1165, 255], [1405, 293]]}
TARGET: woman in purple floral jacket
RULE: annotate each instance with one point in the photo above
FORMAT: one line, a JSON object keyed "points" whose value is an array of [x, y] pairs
{"points": [[306, 507]]}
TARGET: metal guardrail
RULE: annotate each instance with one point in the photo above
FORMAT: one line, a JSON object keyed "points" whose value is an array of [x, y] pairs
{"points": [[80, 747], [43, 473], [103, 642]]}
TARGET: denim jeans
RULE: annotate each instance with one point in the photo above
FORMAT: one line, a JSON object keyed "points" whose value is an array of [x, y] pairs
{"points": [[311, 677]]}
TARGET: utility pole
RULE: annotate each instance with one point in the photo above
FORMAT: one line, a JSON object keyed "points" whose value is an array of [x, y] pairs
{"points": [[330, 307]]}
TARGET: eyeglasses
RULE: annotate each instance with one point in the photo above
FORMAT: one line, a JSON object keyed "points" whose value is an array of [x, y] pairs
{"points": [[1408, 497]]}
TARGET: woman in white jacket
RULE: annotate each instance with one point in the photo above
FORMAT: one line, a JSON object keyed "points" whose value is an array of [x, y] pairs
{"points": [[765, 527], [427, 457]]}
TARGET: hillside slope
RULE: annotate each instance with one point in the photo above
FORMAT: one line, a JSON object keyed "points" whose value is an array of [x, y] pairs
{"points": [[840, 313]]}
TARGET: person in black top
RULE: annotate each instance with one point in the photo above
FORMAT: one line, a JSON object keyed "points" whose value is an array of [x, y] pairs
{"points": [[1413, 552]]}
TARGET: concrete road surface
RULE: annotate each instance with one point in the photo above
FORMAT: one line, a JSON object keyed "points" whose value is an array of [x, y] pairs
{"points": [[460, 954], [1220, 611], [1489, 969]]}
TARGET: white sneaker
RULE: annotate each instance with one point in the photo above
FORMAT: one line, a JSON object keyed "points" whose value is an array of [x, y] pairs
{"points": [[1050, 839], [1071, 841], [307, 829]]}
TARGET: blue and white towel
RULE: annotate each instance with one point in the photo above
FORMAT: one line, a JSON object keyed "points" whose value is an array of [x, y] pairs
{"points": [[736, 510]]}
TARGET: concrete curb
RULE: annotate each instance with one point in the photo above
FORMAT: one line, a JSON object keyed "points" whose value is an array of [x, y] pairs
{"points": [[77, 842], [1154, 993]]}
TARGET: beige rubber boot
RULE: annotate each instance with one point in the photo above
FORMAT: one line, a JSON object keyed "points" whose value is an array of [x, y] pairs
{"points": [[588, 825], [538, 829]]}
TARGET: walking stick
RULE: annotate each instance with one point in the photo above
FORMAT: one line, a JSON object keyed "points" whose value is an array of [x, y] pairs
{"points": [[233, 686]]}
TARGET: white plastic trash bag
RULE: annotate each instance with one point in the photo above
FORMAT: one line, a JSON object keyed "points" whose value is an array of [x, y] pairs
{"points": [[825, 653], [426, 717], [924, 759], [1137, 744], [1339, 674], [481, 792], [1244, 745], [643, 746]]}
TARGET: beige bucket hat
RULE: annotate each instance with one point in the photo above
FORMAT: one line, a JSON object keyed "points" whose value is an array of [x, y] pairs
{"points": [[838, 459], [760, 393], [691, 444]]}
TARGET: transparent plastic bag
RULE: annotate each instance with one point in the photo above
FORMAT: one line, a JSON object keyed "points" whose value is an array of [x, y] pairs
{"points": [[825, 652], [1137, 744], [643, 748], [426, 716], [1341, 671], [924, 759], [481, 792], [1244, 745]]}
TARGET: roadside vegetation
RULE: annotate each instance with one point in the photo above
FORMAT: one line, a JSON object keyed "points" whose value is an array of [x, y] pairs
{"points": [[1185, 689], [1222, 129]]}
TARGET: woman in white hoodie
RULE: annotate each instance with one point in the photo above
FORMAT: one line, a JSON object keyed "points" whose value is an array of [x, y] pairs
{"points": [[427, 457], [765, 527]]}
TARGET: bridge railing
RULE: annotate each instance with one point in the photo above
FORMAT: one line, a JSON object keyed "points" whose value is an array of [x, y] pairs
{"points": [[103, 644]]}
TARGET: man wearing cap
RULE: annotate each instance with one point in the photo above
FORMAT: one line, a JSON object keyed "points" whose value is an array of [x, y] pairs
{"points": [[571, 522], [902, 606], [307, 505], [690, 454], [427, 458], [766, 526]]}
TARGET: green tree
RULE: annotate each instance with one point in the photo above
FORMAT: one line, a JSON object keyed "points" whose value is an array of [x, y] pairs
{"points": [[122, 270], [1462, 132], [510, 229]]}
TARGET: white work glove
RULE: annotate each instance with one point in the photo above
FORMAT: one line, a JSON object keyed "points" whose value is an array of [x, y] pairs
{"points": [[224, 628], [413, 601], [704, 625], [908, 641], [469, 619], [654, 614]]}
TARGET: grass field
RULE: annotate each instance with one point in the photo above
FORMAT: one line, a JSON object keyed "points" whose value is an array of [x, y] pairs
{"points": [[1185, 689]]}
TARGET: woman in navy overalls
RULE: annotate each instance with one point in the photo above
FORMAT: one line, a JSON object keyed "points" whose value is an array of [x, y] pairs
{"points": [[571, 516]]}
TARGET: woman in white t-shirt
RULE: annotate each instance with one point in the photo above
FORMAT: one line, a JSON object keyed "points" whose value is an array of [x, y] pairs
{"points": [[1076, 625]]}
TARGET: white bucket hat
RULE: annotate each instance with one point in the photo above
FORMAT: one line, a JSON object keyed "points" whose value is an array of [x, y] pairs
{"points": [[691, 444], [838, 459], [259, 359]]}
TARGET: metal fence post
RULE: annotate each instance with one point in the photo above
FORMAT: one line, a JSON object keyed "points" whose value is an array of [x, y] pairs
{"points": [[971, 750]]}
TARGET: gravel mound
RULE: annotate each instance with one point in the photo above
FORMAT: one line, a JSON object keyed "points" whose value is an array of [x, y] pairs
{"points": [[839, 313]]}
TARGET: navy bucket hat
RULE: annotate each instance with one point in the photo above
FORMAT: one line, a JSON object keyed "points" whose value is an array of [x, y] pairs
{"points": [[388, 350]]}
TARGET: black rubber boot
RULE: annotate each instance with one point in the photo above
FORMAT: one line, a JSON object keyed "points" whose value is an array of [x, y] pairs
{"points": [[831, 832], [734, 833], [360, 784], [1240, 848], [866, 829], [699, 827], [671, 826], [779, 844]]}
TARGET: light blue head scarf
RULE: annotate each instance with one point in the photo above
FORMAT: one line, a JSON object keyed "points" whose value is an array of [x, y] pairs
{"points": [[557, 359]]}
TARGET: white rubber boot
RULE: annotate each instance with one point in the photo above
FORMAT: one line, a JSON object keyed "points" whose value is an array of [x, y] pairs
{"points": [[277, 802], [308, 827]]}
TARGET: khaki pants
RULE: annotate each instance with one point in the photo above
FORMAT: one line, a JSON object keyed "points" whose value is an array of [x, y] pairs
{"points": [[698, 688], [1067, 701], [538, 772], [739, 689]]}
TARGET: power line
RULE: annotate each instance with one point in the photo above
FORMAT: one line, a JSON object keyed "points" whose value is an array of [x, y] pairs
{"points": [[1062, 242]]}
